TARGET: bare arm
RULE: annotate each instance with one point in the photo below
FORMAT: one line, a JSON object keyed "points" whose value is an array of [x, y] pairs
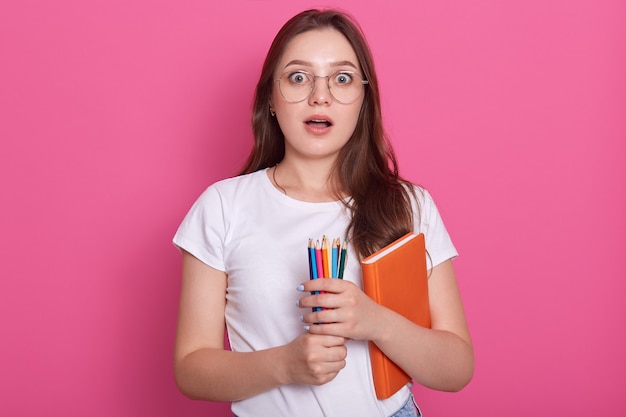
{"points": [[440, 358], [205, 370]]}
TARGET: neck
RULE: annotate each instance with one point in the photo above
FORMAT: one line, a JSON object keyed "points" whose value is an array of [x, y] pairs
{"points": [[306, 182]]}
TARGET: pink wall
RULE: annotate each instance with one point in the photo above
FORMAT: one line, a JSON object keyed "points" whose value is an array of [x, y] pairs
{"points": [[114, 116]]}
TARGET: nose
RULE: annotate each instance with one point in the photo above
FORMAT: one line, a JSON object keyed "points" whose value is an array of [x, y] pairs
{"points": [[321, 91]]}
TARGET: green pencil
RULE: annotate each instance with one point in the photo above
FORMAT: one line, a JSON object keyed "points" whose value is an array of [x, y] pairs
{"points": [[342, 259]]}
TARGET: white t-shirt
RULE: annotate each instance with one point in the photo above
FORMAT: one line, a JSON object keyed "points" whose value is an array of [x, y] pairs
{"points": [[259, 236]]}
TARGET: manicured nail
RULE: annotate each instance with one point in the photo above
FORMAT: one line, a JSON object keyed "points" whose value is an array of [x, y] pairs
{"points": [[307, 327], [302, 319], [300, 287]]}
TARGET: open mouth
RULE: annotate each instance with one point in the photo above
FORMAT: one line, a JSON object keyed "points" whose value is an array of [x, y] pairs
{"points": [[319, 123]]}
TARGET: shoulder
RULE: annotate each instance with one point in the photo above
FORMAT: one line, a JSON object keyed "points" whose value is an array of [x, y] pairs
{"points": [[235, 187], [252, 179], [424, 207], [419, 195], [427, 220], [225, 195]]}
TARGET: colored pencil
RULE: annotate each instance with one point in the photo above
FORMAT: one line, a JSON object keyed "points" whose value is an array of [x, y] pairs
{"points": [[329, 258], [334, 258], [325, 258], [318, 260], [342, 258], [313, 266], [312, 262]]}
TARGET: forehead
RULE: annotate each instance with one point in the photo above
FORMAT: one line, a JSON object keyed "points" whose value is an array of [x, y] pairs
{"points": [[319, 49]]}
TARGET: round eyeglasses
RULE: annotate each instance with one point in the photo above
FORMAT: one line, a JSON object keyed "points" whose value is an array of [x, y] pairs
{"points": [[345, 86]]}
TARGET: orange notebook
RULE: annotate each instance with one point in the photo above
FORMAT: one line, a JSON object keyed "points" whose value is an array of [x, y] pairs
{"points": [[396, 277]]}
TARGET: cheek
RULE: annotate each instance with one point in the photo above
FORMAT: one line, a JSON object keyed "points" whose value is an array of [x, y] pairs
{"points": [[353, 119], [286, 119], [279, 104]]}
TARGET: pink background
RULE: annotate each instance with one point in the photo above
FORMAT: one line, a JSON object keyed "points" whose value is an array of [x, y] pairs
{"points": [[115, 115]]}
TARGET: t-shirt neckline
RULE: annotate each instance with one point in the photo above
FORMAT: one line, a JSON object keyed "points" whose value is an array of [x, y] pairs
{"points": [[278, 194]]}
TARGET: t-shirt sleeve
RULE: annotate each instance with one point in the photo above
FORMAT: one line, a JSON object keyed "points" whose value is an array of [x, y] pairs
{"points": [[428, 221], [202, 231]]}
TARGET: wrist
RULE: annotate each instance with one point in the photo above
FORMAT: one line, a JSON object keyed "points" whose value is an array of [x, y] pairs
{"points": [[279, 365], [384, 326]]}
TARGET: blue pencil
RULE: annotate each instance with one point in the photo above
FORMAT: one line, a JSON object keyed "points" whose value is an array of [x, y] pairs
{"points": [[334, 259], [312, 261], [313, 267]]}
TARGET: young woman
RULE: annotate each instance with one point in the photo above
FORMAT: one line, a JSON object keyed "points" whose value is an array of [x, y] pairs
{"points": [[321, 165]]}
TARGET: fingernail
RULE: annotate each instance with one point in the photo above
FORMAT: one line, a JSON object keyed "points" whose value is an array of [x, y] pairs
{"points": [[307, 327], [300, 287], [297, 303], [302, 319]]}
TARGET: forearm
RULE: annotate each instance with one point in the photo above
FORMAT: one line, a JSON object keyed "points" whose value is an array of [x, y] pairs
{"points": [[222, 375], [437, 359], [441, 358]]}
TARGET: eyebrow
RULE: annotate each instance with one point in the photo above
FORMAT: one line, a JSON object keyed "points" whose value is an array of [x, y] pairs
{"points": [[308, 64]]}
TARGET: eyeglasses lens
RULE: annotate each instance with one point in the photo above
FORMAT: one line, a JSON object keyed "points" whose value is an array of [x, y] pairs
{"points": [[345, 87]]}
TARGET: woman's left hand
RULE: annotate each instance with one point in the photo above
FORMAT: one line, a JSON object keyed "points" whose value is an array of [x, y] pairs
{"points": [[346, 310]]}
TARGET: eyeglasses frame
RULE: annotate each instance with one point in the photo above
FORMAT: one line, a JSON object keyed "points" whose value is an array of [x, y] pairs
{"points": [[313, 84]]}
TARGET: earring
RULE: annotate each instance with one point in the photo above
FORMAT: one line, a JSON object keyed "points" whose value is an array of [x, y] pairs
{"points": [[272, 112]]}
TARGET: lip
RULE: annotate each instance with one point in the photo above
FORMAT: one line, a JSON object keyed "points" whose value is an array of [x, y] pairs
{"points": [[323, 126]]}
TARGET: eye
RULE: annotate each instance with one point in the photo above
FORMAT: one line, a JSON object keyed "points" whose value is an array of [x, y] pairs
{"points": [[343, 78], [299, 78]]}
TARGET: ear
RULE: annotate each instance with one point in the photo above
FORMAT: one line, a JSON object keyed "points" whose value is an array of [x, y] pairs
{"points": [[272, 112]]}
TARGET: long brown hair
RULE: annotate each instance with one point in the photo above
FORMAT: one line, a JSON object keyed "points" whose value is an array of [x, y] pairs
{"points": [[366, 168]]}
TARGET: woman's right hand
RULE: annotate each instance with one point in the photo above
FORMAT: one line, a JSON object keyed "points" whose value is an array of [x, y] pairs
{"points": [[315, 359]]}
